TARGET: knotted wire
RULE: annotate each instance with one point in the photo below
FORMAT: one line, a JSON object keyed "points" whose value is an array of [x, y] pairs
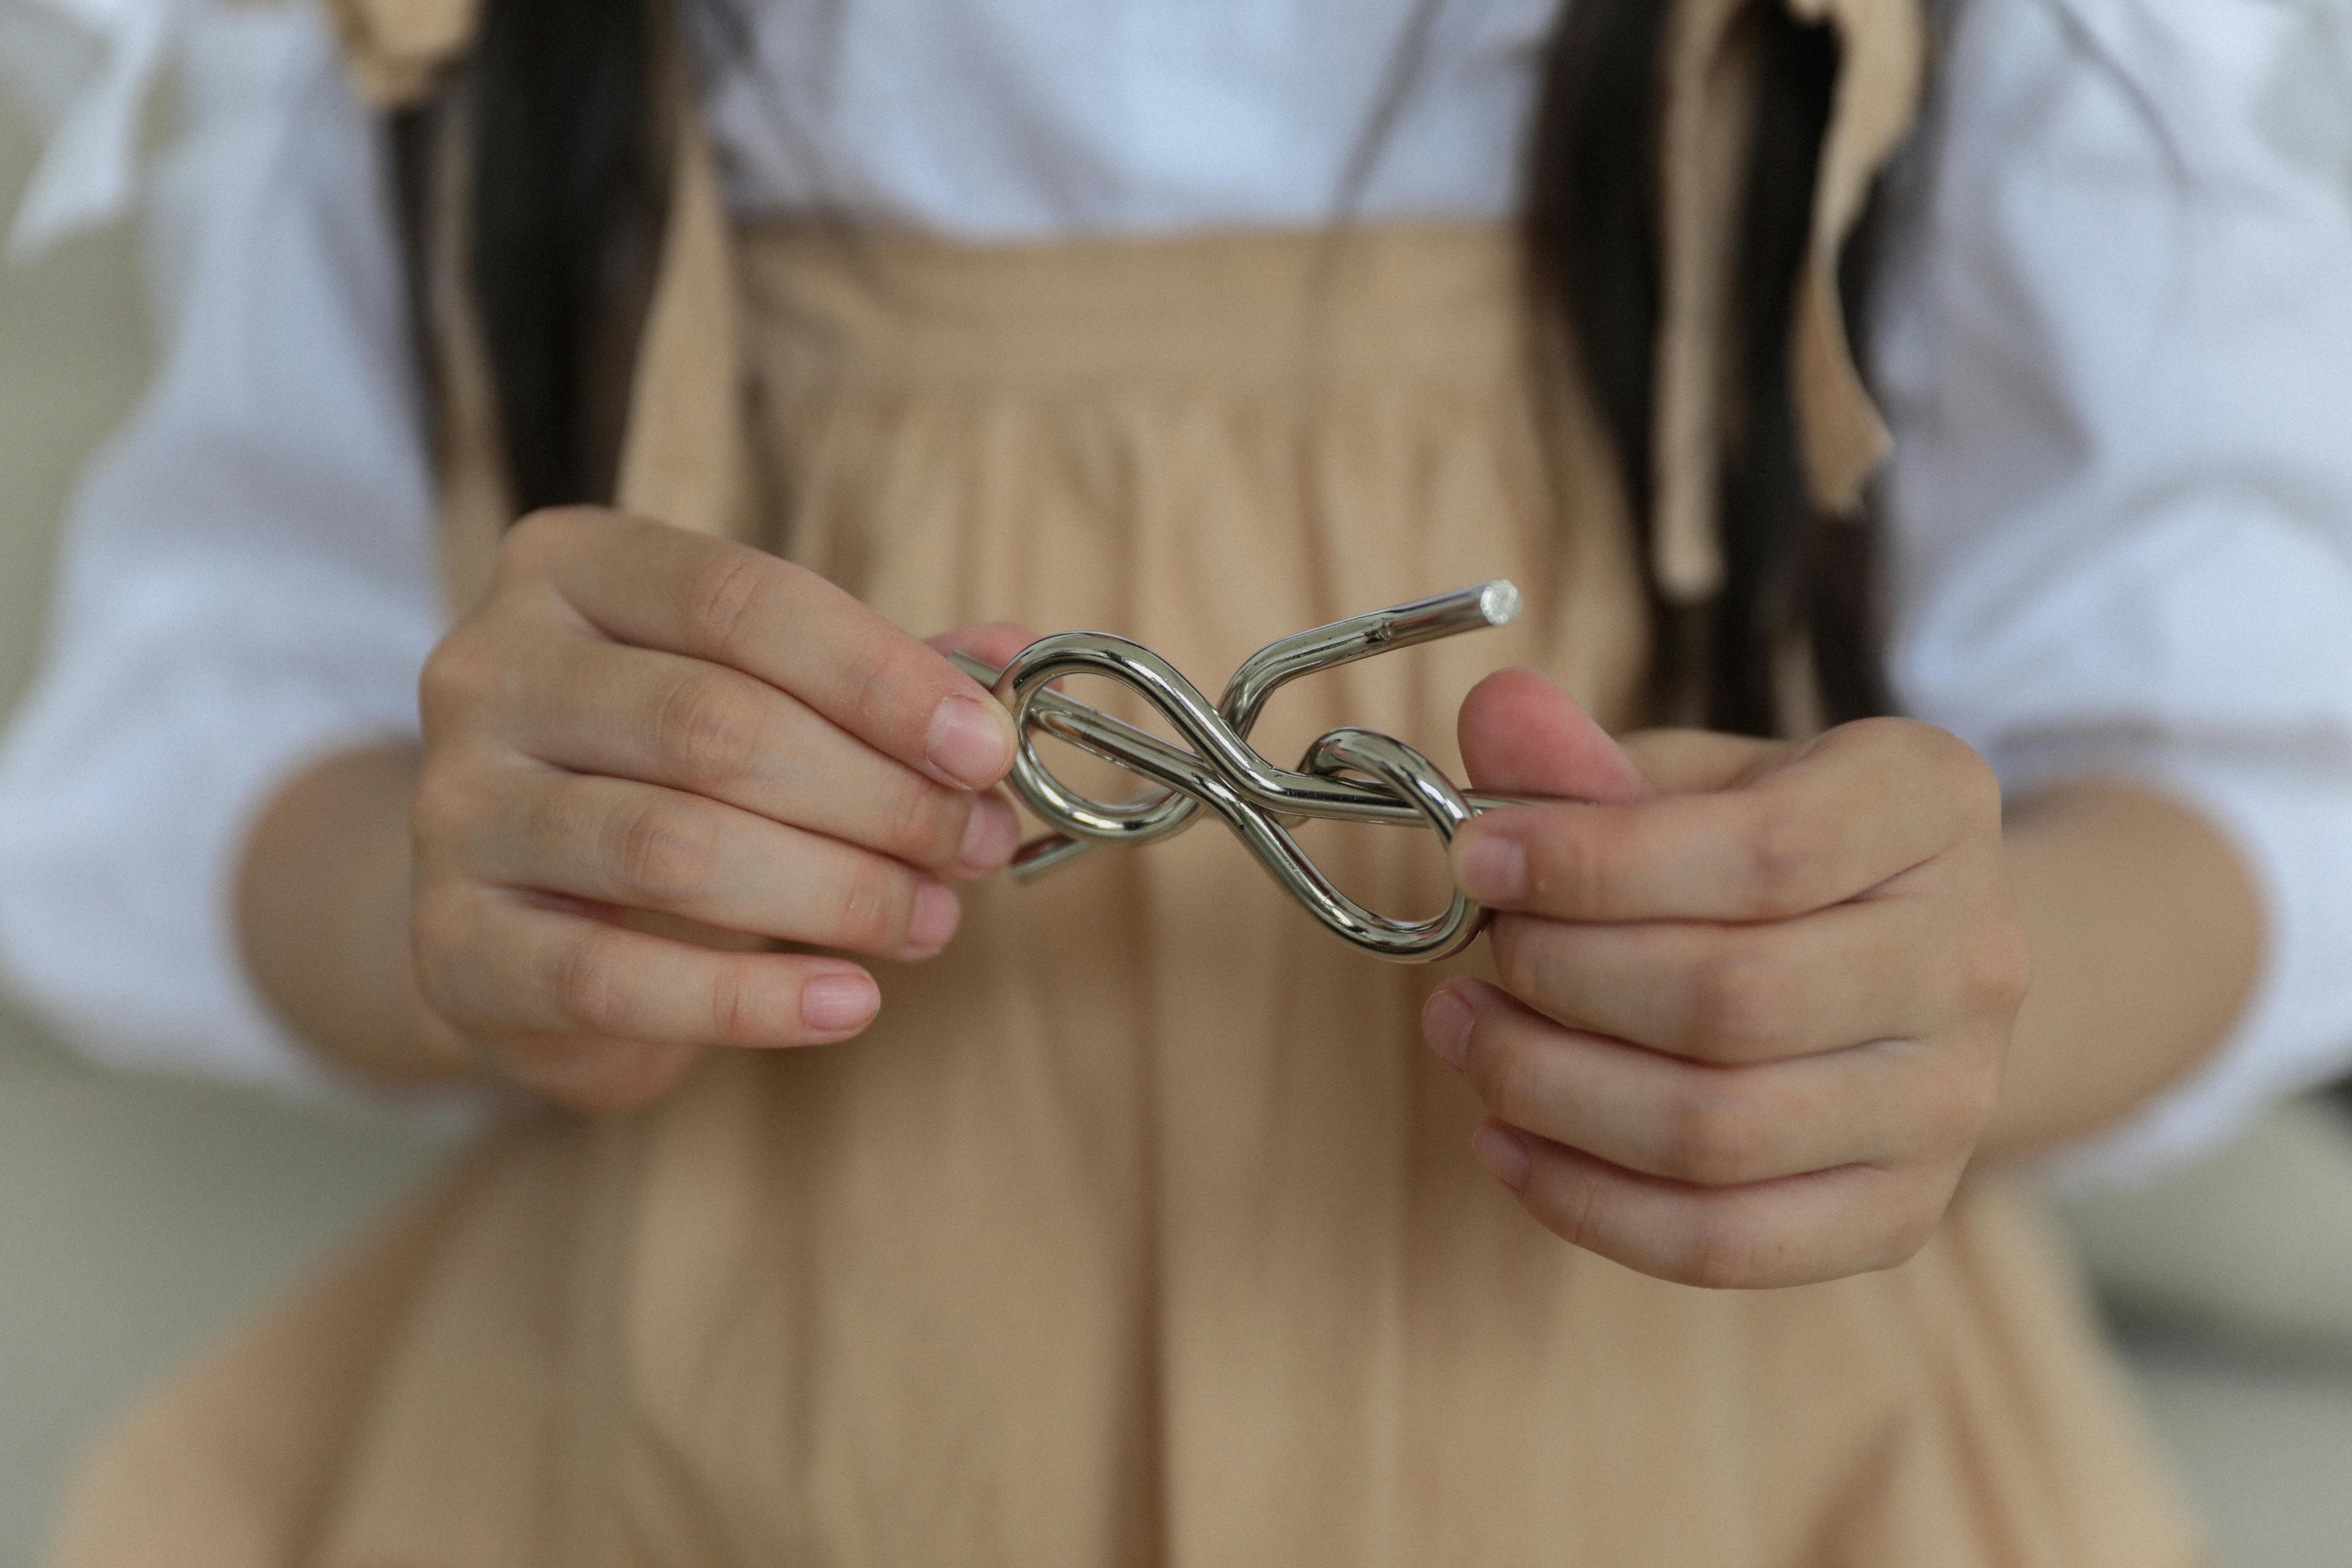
{"points": [[1348, 775]]}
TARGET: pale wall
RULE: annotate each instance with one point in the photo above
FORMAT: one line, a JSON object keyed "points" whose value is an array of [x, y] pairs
{"points": [[136, 1218]]}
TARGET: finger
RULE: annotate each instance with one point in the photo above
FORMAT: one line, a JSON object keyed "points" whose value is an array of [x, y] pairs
{"points": [[1746, 992], [1849, 811], [1798, 1230], [639, 847], [1886, 1103], [524, 966], [600, 1077], [725, 602], [1679, 762], [665, 719], [1520, 734]]}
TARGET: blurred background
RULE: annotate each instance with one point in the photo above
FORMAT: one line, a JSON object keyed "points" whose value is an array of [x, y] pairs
{"points": [[139, 1217]]}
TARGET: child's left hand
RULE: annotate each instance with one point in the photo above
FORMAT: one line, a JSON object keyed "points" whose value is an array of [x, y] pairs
{"points": [[1757, 995]]}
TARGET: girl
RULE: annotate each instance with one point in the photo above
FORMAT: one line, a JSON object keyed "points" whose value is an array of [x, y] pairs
{"points": [[1137, 1225]]}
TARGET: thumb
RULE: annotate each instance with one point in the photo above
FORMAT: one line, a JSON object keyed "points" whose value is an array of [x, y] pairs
{"points": [[1522, 735]]}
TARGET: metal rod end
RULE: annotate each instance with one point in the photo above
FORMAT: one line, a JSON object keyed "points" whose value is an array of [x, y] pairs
{"points": [[1498, 601], [988, 675], [1046, 853]]}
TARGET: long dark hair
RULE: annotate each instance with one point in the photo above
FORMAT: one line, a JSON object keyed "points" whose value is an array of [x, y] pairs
{"points": [[558, 112], [564, 165]]}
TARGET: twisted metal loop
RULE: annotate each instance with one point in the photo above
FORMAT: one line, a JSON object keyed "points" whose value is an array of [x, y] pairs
{"points": [[1350, 774]]}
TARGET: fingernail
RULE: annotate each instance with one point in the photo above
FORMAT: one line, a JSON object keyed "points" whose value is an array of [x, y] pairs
{"points": [[833, 1003], [1503, 1153], [990, 838], [1445, 1020], [971, 741], [934, 919], [1494, 869]]}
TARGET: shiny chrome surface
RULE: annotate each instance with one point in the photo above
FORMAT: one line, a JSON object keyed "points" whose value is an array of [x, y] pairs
{"points": [[1348, 775]]}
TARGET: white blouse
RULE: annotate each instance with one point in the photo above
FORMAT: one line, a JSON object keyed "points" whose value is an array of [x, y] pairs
{"points": [[2116, 346]]}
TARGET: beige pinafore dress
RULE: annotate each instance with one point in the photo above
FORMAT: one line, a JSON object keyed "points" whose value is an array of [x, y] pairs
{"points": [[1141, 1227]]}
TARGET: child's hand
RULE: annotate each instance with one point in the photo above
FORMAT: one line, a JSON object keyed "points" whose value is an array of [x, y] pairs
{"points": [[1759, 996], [644, 721]]}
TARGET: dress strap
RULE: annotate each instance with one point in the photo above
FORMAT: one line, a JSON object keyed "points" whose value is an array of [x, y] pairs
{"points": [[1882, 48], [685, 457], [1711, 69], [399, 51]]}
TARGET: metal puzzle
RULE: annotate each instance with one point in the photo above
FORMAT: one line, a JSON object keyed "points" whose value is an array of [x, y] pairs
{"points": [[1348, 775]]}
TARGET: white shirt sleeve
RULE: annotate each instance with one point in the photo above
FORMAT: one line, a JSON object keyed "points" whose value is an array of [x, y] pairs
{"points": [[247, 580], [2118, 355]]}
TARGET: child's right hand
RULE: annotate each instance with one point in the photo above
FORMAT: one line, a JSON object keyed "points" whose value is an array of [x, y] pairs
{"points": [[639, 721]]}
